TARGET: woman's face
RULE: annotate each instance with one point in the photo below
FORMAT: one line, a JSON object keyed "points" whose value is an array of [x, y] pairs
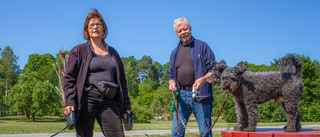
{"points": [[95, 28]]}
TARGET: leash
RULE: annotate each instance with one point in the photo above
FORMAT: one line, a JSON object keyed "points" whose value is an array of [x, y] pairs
{"points": [[70, 123], [178, 114], [59, 131]]}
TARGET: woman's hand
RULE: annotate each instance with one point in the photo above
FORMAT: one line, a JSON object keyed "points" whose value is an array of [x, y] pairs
{"points": [[68, 109], [128, 112]]}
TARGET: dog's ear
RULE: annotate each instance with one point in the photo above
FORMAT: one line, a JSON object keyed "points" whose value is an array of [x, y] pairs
{"points": [[221, 67], [223, 62], [240, 70], [243, 68], [213, 63]]}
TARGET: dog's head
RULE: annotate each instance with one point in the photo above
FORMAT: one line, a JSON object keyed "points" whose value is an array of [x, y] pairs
{"points": [[230, 78], [218, 68]]}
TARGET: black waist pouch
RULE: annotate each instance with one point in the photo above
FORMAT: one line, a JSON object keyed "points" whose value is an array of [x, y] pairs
{"points": [[108, 89]]}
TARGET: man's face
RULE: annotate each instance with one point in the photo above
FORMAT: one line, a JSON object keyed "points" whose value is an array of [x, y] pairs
{"points": [[95, 28], [184, 32]]}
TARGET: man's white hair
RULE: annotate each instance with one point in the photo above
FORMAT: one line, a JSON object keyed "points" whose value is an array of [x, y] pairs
{"points": [[179, 21]]}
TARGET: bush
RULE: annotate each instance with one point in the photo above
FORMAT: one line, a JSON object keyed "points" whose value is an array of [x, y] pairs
{"points": [[143, 114]]}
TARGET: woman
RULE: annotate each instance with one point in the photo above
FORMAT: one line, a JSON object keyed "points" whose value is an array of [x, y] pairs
{"points": [[95, 86]]}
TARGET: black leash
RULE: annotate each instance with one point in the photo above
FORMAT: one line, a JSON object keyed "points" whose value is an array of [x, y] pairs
{"points": [[59, 131], [71, 118]]}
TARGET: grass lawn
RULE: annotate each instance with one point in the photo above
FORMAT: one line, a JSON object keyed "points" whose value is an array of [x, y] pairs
{"points": [[214, 134], [21, 125]]}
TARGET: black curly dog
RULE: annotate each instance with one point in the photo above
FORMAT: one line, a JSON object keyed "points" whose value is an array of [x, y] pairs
{"points": [[252, 88]]}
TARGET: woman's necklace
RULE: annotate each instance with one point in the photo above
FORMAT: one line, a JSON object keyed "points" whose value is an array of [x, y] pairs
{"points": [[98, 46]]}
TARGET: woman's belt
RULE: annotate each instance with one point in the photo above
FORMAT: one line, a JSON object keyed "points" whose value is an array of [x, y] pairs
{"points": [[109, 89]]}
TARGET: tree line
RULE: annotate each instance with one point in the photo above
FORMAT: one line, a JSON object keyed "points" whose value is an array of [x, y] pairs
{"points": [[31, 91]]}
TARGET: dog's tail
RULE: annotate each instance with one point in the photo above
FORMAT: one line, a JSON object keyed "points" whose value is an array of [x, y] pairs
{"points": [[291, 64]]}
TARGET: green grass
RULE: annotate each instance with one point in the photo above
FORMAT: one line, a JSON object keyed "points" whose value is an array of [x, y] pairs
{"points": [[21, 125]]}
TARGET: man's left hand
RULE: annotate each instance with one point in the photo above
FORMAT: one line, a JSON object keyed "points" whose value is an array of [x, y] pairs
{"points": [[198, 83]]}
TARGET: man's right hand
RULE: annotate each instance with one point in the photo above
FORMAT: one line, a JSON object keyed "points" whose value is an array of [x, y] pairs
{"points": [[172, 85], [67, 110]]}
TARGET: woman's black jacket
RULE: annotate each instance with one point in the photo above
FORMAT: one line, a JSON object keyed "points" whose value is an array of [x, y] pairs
{"points": [[76, 73]]}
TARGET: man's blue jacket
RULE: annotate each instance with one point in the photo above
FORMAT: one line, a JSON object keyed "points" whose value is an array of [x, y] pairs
{"points": [[202, 56]]}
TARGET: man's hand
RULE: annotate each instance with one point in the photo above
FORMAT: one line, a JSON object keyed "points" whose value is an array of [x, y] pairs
{"points": [[198, 83], [68, 109], [172, 85]]}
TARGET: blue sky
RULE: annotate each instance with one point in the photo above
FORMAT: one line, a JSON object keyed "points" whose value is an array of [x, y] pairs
{"points": [[256, 31]]}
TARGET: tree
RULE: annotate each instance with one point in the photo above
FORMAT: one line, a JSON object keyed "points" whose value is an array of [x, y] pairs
{"points": [[33, 97], [162, 102], [142, 113], [44, 99], [41, 68], [156, 106], [132, 75], [144, 78], [309, 103], [9, 74], [19, 98], [144, 66], [59, 67], [156, 74], [165, 76], [146, 94], [35, 94]]}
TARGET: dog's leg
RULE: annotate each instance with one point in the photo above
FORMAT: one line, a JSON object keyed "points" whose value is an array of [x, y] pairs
{"points": [[253, 115], [292, 96], [284, 109], [298, 125], [296, 122], [242, 116], [293, 116]]}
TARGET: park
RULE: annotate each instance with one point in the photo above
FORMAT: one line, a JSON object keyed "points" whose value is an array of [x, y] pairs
{"points": [[250, 37]]}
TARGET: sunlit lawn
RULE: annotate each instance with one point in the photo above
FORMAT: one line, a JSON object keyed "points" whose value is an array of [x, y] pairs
{"points": [[21, 125], [214, 134]]}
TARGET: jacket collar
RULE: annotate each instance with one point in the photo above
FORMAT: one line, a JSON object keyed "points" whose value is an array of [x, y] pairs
{"points": [[191, 42]]}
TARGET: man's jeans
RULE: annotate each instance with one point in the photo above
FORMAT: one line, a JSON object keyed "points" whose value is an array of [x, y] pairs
{"points": [[186, 105]]}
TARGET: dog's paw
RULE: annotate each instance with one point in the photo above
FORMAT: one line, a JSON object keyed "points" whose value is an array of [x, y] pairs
{"points": [[285, 127], [249, 129], [290, 129], [238, 128], [298, 128]]}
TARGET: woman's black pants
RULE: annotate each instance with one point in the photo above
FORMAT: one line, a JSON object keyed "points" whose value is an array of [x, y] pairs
{"points": [[97, 106]]}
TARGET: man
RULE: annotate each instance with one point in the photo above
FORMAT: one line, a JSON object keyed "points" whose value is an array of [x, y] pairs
{"points": [[190, 67]]}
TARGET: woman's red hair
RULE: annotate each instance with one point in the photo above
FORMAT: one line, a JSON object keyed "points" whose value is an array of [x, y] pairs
{"points": [[94, 14]]}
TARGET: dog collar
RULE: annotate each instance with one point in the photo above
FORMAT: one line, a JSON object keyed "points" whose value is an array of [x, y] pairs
{"points": [[239, 83]]}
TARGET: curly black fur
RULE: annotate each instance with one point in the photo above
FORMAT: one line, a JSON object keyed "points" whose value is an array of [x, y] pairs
{"points": [[252, 88], [216, 72]]}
